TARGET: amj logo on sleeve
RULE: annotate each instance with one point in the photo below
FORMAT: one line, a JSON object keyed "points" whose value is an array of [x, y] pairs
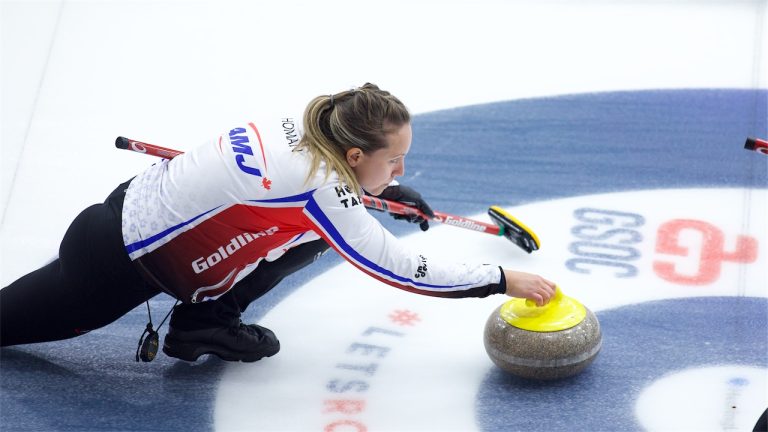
{"points": [[245, 157]]}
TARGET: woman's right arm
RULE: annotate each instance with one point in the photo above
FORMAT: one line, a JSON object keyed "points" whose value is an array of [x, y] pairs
{"points": [[341, 219]]}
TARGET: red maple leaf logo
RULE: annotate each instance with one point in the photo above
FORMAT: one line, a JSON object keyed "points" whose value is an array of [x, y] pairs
{"points": [[266, 183]]}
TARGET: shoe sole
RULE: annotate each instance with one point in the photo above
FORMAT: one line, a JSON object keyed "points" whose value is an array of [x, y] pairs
{"points": [[191, 352]]}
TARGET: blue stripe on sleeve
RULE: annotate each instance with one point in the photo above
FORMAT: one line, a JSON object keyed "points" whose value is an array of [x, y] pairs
{"points": [[314, 209]]}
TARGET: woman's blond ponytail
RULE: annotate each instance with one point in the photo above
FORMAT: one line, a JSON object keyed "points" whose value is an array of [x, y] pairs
{"points": [[358, 118]]}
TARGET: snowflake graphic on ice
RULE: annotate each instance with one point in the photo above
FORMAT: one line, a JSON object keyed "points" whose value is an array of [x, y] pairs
{"points": [[404, 317]]}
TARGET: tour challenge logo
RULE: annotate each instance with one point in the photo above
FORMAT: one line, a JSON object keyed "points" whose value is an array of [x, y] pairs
{"points": [[607, 238]]}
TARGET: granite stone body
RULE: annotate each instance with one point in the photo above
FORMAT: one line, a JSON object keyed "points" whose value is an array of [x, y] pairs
{"points": [[542, 355]]}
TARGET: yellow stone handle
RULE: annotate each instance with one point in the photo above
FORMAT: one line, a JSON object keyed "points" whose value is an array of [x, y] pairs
{"points": [[562, 312], [556, 299]]}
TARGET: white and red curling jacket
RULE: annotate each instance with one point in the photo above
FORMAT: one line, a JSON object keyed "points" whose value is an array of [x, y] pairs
{"points": [[197, 224]]}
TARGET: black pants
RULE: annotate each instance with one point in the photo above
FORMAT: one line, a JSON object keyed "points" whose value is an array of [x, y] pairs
{"points": [[227, 308], [93, 283], [762, 423]]}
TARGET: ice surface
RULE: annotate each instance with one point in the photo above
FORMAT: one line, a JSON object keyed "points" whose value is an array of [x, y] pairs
{"points": [[76, 74]]}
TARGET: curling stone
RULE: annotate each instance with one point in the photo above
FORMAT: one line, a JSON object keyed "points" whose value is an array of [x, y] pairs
{"points": [[557, 340]]}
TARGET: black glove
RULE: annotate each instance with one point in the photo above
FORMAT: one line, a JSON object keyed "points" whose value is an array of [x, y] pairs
{"points": [[409, 197]]}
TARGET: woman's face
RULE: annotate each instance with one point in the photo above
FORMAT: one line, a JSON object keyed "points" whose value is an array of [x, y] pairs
{"points": [[375, 171]]}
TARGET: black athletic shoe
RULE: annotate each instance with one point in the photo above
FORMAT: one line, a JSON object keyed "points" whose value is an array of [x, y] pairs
{"points": [[241, 342]]}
